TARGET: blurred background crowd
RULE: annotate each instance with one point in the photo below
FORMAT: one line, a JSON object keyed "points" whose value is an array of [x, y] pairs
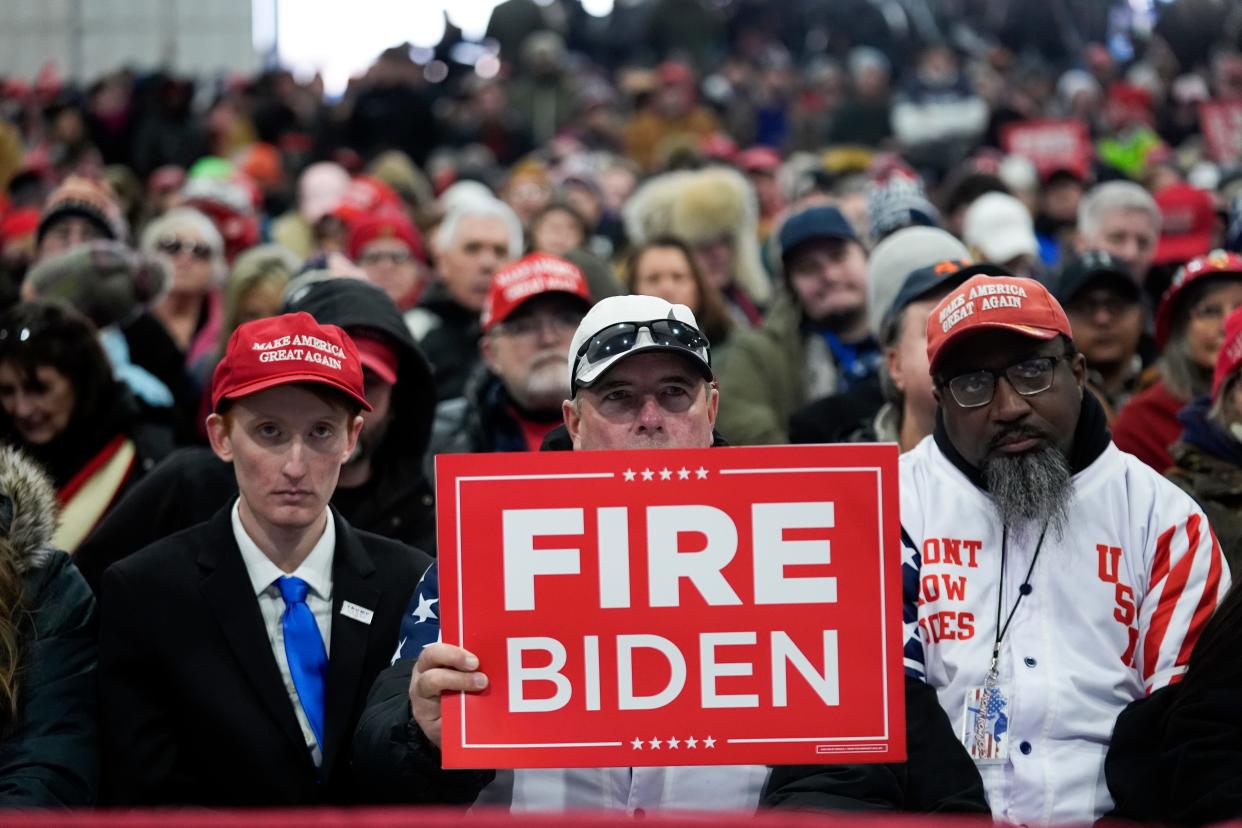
{"points": [[784, 168]]}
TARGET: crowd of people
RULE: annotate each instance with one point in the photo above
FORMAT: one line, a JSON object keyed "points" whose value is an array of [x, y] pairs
{"points": [[240, 320]]}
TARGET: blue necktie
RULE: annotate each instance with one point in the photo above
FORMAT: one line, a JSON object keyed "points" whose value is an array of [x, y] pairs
{"points": [[308, 660]]}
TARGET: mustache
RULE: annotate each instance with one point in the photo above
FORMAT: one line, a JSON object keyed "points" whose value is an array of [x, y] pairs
{"points": [[1015, 433]]}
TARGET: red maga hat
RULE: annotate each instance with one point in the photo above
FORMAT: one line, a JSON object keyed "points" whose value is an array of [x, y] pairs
{"points": [[528, 277], [1219, 264], [286, 349], [1230, 353], [1006, 302]]}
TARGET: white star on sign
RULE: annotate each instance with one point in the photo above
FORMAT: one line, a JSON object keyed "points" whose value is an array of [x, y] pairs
{"points": [[637, 744], [692, 742], [424, 611], [648, 474], [683, 473], [665, 474], [629, 475], [672, 743], [709, 742], [655, 744], [700, 473]]}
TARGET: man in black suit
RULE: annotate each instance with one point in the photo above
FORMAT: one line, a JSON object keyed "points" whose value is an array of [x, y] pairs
{"points": [[235, 656]]}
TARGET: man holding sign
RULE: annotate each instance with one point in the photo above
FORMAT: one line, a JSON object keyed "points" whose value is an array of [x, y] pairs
{"points": [[655, 396], [642, 380]]}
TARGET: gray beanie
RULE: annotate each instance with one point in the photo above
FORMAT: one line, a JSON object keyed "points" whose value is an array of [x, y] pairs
{"points": [[894, 258]]}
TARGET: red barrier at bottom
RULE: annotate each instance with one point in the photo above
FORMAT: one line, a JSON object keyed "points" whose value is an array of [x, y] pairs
{"points": [[452, 818]]}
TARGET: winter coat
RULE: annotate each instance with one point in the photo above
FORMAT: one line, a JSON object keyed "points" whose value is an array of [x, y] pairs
{"points": [[1209, 468], [480, 421], [1147, 425], [49, 750], [771, 373], [449, 336]]}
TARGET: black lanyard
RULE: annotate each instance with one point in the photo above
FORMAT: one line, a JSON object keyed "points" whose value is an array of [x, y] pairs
{"points": [[1023, 591]]}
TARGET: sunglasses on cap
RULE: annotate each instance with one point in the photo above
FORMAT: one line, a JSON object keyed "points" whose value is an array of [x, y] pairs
{"points": [[622, 337], [173, 247]]}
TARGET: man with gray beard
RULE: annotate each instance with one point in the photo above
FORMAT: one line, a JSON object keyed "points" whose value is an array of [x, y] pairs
{"points": [[1050, 579], [513, 399]]}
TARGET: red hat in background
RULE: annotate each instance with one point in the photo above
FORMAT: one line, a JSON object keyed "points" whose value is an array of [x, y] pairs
{"points": [[528, 277], [377, 356], [1218, 263], [1230, 357], [386, 224], [672, 72], [758, 159], [1005, 302], [285, 349], [19, 223], [365, 195], [1188, 220]]}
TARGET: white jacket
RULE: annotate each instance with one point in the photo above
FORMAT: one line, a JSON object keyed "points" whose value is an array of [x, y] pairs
{"points": [[1099, 629]]}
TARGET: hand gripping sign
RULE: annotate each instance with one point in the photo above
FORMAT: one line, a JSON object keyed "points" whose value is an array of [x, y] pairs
{"points": [[674, 607]]}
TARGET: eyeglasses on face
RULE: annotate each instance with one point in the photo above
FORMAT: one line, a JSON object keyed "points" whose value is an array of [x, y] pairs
{"points": [[1028, 377], [174, 246]]}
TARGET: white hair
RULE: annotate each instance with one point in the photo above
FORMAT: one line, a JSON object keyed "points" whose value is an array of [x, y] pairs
{"points": [[196, 222], [446, 234], [1111, 196]]}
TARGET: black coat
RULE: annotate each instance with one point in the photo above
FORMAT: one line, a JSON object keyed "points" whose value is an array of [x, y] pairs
{"points": [[193, 707], [937, 777]]}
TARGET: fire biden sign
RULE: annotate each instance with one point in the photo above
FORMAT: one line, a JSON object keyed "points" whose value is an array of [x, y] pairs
{"points": [[674, 607]]}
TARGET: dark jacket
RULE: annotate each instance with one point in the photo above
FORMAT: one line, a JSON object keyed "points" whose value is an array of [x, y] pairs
{"points": [[1208, 467], [49, 750], [482, 420], [937, 777], [1176, 755], [194, 710], [449, 336], [193, 484]]}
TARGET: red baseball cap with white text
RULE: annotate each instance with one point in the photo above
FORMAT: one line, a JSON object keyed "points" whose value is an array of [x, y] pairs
{"points": [[286, 349], [528, 277], [999, 302]]}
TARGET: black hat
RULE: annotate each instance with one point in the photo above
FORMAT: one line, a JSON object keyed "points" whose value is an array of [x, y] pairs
{"points": [[1095, 268], [946, 275]]}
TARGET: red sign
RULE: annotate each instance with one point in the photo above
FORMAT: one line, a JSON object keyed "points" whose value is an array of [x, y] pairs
{"points": [[1221, 124], [674, 607], [1050, 144]]}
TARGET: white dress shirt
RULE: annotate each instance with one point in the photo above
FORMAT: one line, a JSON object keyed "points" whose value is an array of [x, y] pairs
{"points": [[632, 790], [316, 571]]}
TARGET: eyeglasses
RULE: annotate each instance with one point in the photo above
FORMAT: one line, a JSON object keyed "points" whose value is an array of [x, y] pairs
{"points": [[173, 247], [378, 257], [621, 337], [1028, 378]]}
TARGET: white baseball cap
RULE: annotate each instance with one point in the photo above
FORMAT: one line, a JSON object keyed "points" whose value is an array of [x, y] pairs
{"points": [[1000, 228], [643, 323]]}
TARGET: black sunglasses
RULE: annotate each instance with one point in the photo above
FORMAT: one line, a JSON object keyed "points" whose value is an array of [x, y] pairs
{"points": [[621, 337], [173, 247]]}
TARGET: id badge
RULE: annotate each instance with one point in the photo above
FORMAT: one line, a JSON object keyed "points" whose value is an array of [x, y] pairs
{"points": [[985, 724]]}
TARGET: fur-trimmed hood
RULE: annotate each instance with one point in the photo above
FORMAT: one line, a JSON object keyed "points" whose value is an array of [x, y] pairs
{"points": [[28, 508], [700, 205]]}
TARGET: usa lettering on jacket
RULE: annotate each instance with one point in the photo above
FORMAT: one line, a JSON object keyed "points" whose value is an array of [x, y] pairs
{"points": [[1114, 609]]}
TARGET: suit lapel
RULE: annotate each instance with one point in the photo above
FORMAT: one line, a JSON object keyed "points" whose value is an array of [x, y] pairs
{"points": [[353, 581], [227, 589]]}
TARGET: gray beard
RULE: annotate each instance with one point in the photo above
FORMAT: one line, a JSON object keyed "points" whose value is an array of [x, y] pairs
{"points": [[1031, 489]]}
